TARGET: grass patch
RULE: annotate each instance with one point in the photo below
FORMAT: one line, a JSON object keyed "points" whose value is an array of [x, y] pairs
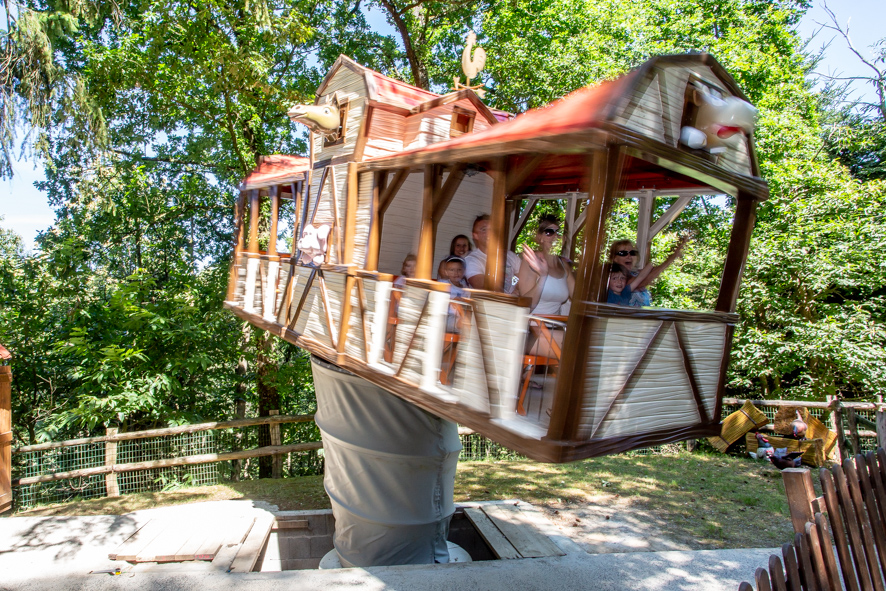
{"points": [[701, 500]]}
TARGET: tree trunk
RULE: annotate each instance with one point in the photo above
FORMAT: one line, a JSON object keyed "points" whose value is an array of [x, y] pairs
{"points": [[268, 397]]}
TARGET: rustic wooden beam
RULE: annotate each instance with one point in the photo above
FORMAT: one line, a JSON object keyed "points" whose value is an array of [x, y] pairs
{"points": [[645, 204], [690, 373], [375, 225], [323, 177], [496, 241], [387, 197], [275, 212], [112, 488], [517, 178], [363, 134], [521, 221], [444, 195], [800, 493], [167, 431], [269, 450], [736, 254], [338, 237], [670, 215], [425, 258], [297, 189], [254, 213], [351, 214], [239, 211]]}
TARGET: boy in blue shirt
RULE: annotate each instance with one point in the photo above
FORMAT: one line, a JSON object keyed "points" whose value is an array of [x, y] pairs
{"points": [[619, 290]]}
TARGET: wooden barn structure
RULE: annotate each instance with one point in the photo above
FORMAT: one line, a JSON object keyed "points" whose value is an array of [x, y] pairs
{"points": [[407, 170]]}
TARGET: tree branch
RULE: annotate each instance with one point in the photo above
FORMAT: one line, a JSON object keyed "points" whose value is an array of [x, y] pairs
{"points": [[143, 158]]}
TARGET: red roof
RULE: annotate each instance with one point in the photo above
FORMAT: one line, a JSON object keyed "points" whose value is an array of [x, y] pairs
{"points": [[275, 169], [394, 90], [585, 108]]}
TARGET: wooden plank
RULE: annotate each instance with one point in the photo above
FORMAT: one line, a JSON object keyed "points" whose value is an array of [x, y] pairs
{"points": [[669, 215], [519, 532], [875, 522], [496, 239], [878, 481], [827, 550], [129, 542], [188, 550], [881, 428], [736, 254], [130, 549], [792, 572], [228, 532], [251, 549], [839, 528], [173, 539], [804, 563], [813, 543], [499, 544], [868, 549], [853, 526], [776, 574], [761, 577], [290, 523]]}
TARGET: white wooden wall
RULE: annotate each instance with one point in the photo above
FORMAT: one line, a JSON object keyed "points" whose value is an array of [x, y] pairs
{"points": [[474, 197], [400, 232]]}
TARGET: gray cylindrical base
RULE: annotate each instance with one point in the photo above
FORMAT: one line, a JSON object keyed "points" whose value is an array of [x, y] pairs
{"points": [[390, 472], [456, 554]]}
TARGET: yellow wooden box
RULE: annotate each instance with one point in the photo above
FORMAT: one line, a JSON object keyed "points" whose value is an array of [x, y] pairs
{"points": [[746, 418], [813, 449]]}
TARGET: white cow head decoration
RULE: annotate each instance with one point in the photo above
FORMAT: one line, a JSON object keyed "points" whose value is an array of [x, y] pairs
{"points": [[313, 244], [720, 122]]}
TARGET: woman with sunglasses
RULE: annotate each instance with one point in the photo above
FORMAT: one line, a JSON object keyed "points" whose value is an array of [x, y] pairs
{"points": [[546, 277], [624, 253]]}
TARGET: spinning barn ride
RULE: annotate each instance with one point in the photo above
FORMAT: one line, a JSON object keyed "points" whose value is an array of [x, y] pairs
{"points": [[395, 170]]}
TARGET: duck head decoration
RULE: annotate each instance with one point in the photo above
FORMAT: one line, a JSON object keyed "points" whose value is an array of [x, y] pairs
{"points": [[323, 119], [719, 123]]}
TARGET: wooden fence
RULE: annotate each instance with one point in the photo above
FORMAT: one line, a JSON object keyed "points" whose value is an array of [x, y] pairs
{"points": [[109, 442]]}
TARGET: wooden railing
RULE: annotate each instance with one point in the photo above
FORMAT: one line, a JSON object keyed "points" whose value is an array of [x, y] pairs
{"points": [[854, 497], [112, 437]]}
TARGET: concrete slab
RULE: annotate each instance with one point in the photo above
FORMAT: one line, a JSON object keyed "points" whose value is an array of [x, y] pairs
{"points": [[57, 553]]}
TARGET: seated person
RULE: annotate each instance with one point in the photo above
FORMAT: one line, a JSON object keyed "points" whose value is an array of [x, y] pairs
{"points": [[475, 262], [460, 247], [454, 267], [546, 277], [619, 288], [623, 252], [407, 270]]}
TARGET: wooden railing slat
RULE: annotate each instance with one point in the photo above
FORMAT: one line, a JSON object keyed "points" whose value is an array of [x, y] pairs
{"points": [[835, 516], [827, 549], [868, 548], [792, 571], [804, 563], [815, 553], [776, 574], [872, 510], [852, 522]]}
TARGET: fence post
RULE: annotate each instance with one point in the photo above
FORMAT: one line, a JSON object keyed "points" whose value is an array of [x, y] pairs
{"points": [[837, 425], [853, 432], [238, 438], [800, 493], [5, 437], [881, 428], [277, 466], [111, 487]]}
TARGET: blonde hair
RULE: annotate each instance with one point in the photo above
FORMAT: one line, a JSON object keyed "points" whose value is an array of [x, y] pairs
{"points": [[616, 246]]}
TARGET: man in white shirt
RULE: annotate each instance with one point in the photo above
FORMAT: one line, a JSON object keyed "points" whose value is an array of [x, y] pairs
{"points": [[475, 262]]}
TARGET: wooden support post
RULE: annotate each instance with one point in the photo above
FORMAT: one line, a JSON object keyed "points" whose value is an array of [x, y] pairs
{"points": [[854, 440], [240, 413], [601, 180], [239, 211], [881, 428], [254, 212], [737, 252], [800, 492], [424, 265], [277, 465], [837, 426], [645, 205], [496, 239], [372, 248], [111, 487], [297, 189], [275, 212], [5, 437]]}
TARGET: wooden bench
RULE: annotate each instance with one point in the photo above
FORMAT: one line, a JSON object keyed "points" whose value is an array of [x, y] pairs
{"points": [[854, 498]]}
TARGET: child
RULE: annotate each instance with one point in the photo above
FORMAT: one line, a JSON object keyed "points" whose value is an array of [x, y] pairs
{"points": [[407, 271], [454, 268], [619, 290]]}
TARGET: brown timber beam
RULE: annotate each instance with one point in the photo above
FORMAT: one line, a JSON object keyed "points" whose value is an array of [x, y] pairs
{"points": [[737, 253], [496, 241], [425, 258]]}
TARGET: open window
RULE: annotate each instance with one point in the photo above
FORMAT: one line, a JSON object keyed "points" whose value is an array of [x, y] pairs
{"points": [[462, 121], [337, 138]]}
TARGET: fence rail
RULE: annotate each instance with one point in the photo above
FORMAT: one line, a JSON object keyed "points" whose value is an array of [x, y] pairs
{"points": [[210, 452]]}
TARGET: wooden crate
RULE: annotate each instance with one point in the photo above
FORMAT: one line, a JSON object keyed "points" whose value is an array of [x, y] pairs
{"points": [[745, 419], [813, 449]]}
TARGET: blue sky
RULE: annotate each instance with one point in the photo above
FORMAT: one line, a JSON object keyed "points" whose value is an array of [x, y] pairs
{"points": [[24, 209]]}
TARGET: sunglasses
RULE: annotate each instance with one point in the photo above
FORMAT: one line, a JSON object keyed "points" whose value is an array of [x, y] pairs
{"points": [[551, 232], [624, 253]]}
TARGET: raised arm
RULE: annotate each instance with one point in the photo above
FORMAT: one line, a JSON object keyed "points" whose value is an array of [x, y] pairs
{"points": [[650, 273], [532, 275]]}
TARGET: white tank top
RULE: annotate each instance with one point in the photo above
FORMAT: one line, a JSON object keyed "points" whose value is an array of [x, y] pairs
{"points": [[554, 294]]}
